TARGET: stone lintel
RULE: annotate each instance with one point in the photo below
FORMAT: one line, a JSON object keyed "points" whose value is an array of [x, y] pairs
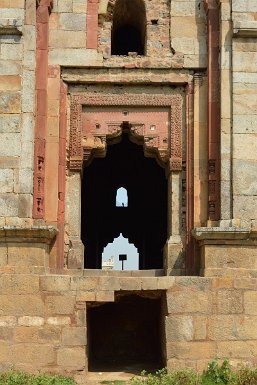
{"points": [[34, 234], [209, 234], [245, 28], [126, 76], [11, 26]]}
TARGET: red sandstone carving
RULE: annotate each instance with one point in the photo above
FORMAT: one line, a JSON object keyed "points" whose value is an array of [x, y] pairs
{"points": [[160, 130], [42, 17], [92, 24]]}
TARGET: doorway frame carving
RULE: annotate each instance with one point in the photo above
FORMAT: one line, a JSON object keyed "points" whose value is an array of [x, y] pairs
{"points": [[81, 150]]}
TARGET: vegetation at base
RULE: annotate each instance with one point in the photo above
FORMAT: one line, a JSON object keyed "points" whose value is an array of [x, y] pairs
{"points": [[216, 374], [14, 377]]}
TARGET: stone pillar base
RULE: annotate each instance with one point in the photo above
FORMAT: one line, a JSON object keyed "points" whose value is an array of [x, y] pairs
{"points": [[174, 256], [76, 254], [26, 249], [227, 251]]}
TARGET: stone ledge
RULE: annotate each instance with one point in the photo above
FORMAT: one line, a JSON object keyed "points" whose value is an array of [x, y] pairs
{"points": [[221, 233], [33, 234], [10, 26], [245, 28]]}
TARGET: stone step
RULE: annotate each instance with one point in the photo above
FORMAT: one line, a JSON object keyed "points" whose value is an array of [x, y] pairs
{"points": [[125, 273]]}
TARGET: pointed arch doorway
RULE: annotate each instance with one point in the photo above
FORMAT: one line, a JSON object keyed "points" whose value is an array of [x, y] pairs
{"points": [[151, 124], [143, 222]]}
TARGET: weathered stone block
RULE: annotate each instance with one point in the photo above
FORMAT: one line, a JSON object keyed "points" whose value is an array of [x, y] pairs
{"points": [[6, 181], [9, 123], [181, 302], [228, 302], [19, 284], [25, 205], [8, 205], [18, 305], [104, 296], [10, 102], [72, 22], [41, 355], [71, 358], [74, 336], [222, 327], [8, 321], [55, 283], [84, 283], [130, 283], [58, 320], [237, 349], [10, 144], [250, 302], [149, 283], [67, 39], [200, 324], [3, 254], [60, 304], [85, 296], [30, 321], [179, 328], [191, 350], [26, 255]]}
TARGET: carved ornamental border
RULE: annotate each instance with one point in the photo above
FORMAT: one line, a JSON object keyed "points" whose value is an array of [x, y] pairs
{"points": [[170, 153]]}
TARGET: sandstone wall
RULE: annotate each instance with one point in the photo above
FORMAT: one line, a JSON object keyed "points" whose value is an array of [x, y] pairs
{"points": [[43, 319], [17, 108], [244, 110]]}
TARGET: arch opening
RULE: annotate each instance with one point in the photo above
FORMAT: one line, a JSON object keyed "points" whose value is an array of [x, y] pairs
{"points": [[129, 27], [120, 255], [143, 222], [122, 197]]}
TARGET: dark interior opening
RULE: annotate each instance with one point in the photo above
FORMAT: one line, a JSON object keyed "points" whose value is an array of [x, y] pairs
{"points": [[143, 222], [129, 27], [127, 333]]}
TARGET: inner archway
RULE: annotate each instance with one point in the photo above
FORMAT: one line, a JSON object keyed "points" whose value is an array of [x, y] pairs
{"points": [[143, 222]]}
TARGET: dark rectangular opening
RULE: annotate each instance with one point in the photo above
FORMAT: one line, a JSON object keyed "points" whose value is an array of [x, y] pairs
{"points": [[127, 334]]}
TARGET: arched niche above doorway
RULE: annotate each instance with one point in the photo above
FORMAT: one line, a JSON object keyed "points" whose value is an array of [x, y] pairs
{"points": [[129, 28]]}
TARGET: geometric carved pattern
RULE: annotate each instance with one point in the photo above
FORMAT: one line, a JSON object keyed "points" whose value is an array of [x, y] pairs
{"points": [[90, 129]]}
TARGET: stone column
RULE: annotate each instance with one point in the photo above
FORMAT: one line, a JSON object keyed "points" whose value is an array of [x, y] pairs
{"points": [[73, 218], [174, 255]]}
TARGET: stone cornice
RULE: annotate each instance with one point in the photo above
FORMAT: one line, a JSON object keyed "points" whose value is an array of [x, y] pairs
{"points": [[245, 28], [33, 234], [221, 233], [11, 26]]}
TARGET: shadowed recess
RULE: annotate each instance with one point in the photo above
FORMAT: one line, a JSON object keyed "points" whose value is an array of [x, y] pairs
{"points": [[129, 27]]}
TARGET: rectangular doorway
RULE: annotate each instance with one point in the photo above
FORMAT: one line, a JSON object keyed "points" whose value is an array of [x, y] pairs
{"points": [[127, 334]]}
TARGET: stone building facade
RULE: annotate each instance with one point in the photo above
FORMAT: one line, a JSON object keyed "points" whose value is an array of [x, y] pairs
{"points": [[158, 96]]}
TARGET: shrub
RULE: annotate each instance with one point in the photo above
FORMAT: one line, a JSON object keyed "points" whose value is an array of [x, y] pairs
{"points": [[20, 378], [216, 374]]}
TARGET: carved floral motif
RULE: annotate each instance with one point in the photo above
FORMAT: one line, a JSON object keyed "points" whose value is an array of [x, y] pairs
{"points": [[92, 141]]}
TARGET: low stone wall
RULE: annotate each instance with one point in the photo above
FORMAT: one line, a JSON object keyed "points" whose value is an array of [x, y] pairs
{"points": [[43, 319]]}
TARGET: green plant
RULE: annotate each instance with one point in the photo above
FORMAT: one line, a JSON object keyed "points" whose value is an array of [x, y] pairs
{"points": [[163, 377], [218, 374], [14, 377]]}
